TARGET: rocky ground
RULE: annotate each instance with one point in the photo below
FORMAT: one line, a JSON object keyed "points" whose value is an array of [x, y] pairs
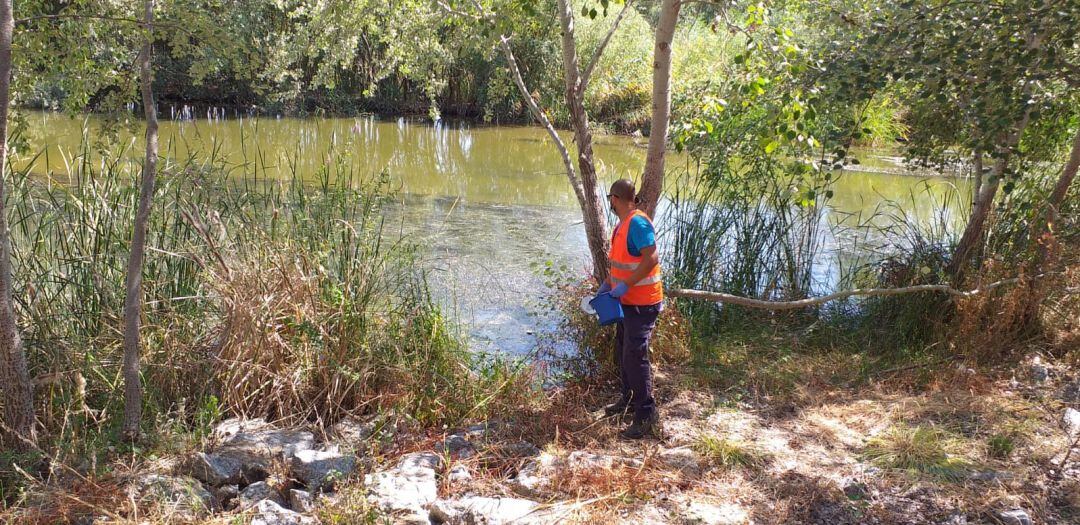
{"points": [[837, 457]]}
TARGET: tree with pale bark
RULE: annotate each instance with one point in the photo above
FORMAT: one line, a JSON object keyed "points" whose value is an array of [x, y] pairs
{"points": [[581, 169], [19, 426]]}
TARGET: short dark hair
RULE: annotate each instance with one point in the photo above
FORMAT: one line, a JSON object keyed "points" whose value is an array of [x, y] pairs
{"points": [[624, 189]]}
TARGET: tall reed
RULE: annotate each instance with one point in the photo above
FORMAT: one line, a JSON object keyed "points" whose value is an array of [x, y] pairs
{"points": [[748, 230]]}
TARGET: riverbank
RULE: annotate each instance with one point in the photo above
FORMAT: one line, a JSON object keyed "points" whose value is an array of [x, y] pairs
{"points": [[968, 447]]}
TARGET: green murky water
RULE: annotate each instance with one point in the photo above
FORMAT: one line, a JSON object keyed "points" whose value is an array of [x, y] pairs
{"points": [[489, 200]]}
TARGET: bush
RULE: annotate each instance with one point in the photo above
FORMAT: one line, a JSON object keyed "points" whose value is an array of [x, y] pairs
{"points": [[627, 108]]}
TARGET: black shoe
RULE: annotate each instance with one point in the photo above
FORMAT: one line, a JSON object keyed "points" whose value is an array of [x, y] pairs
{"points": [[617, 408], [641, 428]]}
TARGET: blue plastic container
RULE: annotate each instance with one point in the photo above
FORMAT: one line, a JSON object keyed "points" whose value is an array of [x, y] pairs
{"points": [[608, 309]]}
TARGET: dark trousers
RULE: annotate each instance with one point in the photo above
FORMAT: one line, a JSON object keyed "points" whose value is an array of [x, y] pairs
{"points": [[632, 357]]}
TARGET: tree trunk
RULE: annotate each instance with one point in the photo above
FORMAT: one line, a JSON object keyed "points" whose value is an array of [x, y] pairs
{"points": [[973, 232], [133, 279], [14, 371], [1053, 204], [980, 210], [652, 179], [593, 212], [977, 172]]}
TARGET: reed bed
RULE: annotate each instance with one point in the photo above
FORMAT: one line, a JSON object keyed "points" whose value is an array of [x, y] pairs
{"points": [[744, 230], [287, 299]]}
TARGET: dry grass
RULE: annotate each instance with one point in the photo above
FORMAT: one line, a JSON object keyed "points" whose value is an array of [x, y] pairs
{"points": [[266, 344], [618, 483], [49, 504]]}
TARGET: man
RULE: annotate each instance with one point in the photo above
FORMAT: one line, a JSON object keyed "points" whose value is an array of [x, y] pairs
{"points": [[635, 281]]}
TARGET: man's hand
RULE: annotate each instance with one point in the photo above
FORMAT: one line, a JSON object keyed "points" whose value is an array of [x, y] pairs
{"points": [[604, 288], [619, 290]]}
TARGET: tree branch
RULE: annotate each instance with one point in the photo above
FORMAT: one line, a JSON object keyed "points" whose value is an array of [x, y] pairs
{"points": [[457, 12], [587, 74], [719, 297], [542, 118], [134, 21]]}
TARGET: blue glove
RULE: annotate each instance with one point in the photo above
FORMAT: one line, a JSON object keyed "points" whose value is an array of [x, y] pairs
{"points": [[604, 288], [620, 290]]}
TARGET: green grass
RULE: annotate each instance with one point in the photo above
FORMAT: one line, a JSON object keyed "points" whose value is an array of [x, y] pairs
{"points": [[729, 453], [920, 451], [1000, 446]]}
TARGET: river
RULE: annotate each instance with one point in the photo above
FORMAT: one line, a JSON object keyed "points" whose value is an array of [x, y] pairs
{"points": [[490, 202]]}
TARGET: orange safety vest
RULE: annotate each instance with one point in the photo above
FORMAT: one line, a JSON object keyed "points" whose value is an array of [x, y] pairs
{"points": [[647, 291]]}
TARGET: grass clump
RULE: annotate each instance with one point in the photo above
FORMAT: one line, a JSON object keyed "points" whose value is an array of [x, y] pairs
{"points": [[1000, 446], [920, 450], [730, 453]]}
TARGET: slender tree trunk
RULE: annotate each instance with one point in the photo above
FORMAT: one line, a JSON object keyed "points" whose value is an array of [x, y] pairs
{"points": [[980, 210], [1053, 204], [133, 279], [652, 180], [593, 211], [977, 172], [14, 372], [1042, 233], [984, 201]]}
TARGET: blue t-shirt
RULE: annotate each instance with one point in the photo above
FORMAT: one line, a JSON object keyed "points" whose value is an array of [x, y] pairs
{"points": [[640, 235]]}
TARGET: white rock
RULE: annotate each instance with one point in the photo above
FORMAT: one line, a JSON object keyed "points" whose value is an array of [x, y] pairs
{"points": [[490, 511], [420, 461], [1071, 421], [247, 449], [319, 469], [459, 474], [682, 459], [268, 512], [407, 488], [534, 478], [301, 500], [350, 430], [580, 459], [258, 436], [257, 492], [215, 469], [1014, 517]]}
